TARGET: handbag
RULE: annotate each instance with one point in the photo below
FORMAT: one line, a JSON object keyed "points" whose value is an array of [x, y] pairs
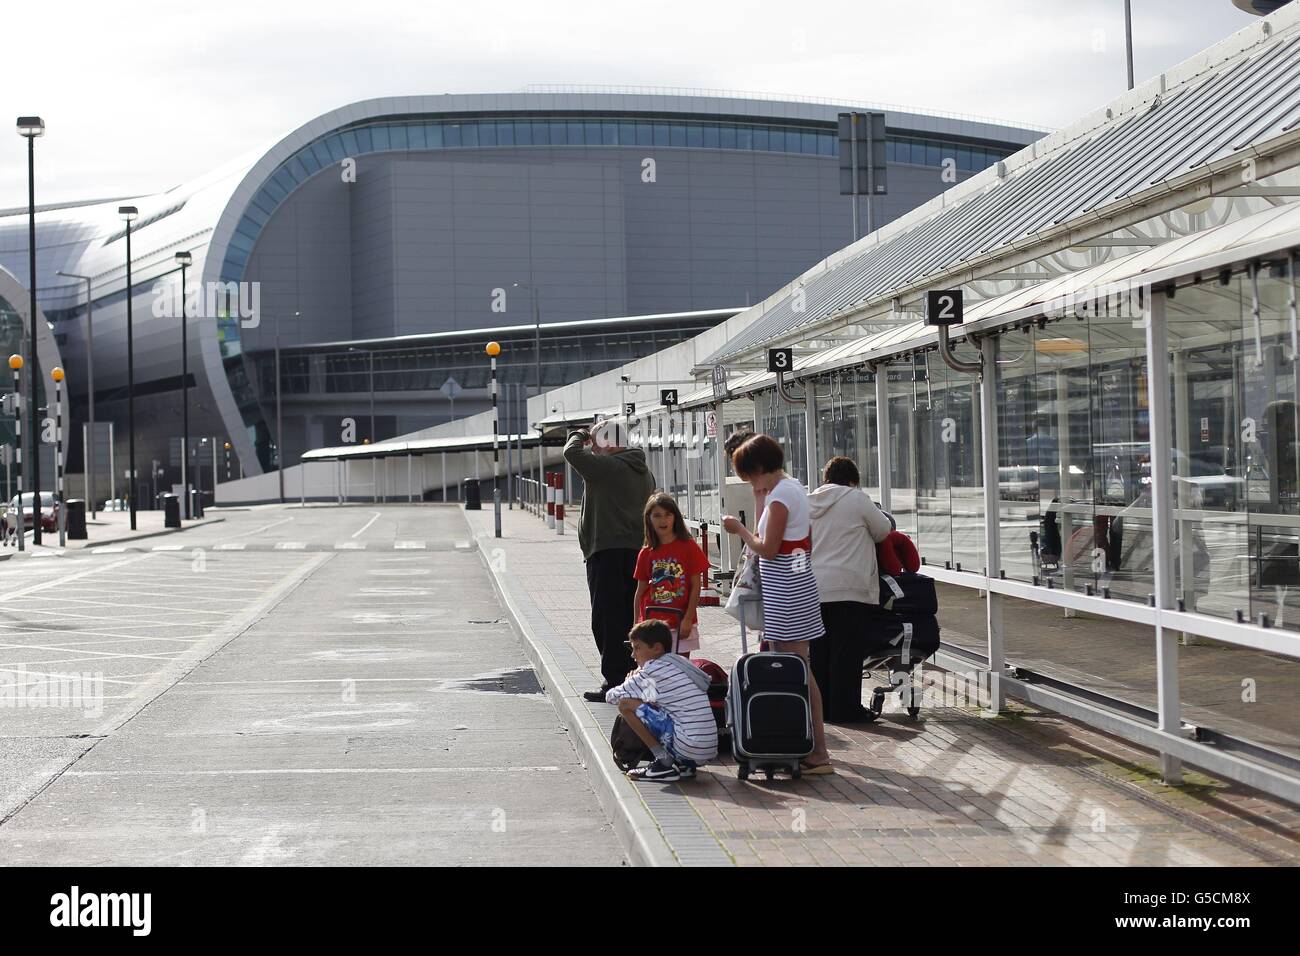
{"points": [[745, 602]]}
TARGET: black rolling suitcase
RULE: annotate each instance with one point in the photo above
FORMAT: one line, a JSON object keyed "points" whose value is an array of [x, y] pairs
{"points": [[769, 712]]}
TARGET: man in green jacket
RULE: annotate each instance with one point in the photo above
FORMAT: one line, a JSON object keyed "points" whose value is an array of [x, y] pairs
{"points": [[617, 484]]}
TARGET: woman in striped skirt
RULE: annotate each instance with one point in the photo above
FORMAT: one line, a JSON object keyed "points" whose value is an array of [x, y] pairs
{"points": [[791, 609]]}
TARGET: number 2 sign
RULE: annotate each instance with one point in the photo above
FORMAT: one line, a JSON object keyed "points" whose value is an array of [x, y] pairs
{"points": [[943, 307]]}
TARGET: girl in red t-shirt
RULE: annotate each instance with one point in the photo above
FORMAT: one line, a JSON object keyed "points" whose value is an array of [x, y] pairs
{"points": [[669, 570]]}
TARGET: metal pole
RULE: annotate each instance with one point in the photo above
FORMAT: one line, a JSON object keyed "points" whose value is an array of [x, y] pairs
{"points": [[444, 477], [720, 466], [279, 420], [496, 448], [131, 488], [186, 509], [510, 457], [810, 431], [410, 480], [373, 436], [882, 435], [90, 392], [992, 522], [58, 462], [1128, 39], [34, 371], [112, 462], [18, 458], [1167, 691], [537, 362]]}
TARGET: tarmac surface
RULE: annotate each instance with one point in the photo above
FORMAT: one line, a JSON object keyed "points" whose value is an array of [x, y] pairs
{"points": [[297, 686]]}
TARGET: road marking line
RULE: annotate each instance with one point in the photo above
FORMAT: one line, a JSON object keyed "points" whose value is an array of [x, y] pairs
{"points": [[350, 546], [357, 533], [168, 547], [265, 527], [291, 546], [410, 545], [279, 771], [60, 581], [230, 547], [107, 550]]}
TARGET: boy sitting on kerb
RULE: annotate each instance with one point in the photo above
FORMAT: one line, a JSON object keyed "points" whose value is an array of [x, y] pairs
{"points": [[665, 702]]}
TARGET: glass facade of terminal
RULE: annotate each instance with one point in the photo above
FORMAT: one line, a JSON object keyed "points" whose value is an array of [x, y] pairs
{"points": [[1074, 452], [478, 133]]}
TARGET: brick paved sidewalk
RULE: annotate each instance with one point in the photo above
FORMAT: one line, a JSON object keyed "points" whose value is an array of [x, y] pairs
{"points": [[954, 788]]}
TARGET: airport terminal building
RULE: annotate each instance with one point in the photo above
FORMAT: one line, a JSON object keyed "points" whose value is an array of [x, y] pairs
{"points": [[375, 249]]}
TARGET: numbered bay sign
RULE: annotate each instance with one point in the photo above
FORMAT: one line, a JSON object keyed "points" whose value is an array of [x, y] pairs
{"points": [[780, 360], [629, 409], [668, 397], [943, 307]]}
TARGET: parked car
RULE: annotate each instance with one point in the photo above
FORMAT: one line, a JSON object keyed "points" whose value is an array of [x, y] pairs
{"points": [[18, 513]]}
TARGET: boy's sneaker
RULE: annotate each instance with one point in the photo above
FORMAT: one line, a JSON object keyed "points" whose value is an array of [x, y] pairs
{"points": [[661, 771]]}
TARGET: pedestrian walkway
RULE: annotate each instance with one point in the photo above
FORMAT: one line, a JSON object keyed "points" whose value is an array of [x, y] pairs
{"points": [[954, 788]]}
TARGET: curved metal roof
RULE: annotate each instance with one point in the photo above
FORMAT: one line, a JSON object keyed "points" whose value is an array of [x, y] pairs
{"points": [[1237, 101]]}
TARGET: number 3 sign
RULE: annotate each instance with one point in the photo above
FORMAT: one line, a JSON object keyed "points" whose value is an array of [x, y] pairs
{"points": [[780, 360]]}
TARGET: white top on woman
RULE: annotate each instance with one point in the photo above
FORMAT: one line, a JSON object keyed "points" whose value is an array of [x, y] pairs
{"points": [[791, 494]]}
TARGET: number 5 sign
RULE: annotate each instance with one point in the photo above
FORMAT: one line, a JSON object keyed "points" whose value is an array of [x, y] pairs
{"points": [[780, 360], [943, 307]]}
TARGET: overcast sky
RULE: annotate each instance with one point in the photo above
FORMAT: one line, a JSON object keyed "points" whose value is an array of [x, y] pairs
{"points": [[142, 95]]}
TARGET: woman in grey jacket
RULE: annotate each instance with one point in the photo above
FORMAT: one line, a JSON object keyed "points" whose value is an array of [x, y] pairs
{"points": [[846, 527]]}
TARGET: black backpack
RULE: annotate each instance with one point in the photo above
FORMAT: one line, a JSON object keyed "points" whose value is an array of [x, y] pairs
{"points": [[628, 749]]}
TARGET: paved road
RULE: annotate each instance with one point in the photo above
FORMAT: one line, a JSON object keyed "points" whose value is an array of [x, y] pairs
{"points": [[304, 686]]}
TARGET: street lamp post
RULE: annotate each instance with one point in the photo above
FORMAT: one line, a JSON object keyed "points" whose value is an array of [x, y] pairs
{"points": [[90, 390], [185, 260], [30, 127], [128, 214]]}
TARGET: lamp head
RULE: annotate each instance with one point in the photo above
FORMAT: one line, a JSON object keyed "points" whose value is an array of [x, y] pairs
{"points": [[128, 213], [56, 373], [493, 349], [184, 259], [15, 361], [31, 126]]}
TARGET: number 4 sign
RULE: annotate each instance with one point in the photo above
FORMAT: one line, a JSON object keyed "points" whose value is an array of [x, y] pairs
{"points": [[943, 307]]}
